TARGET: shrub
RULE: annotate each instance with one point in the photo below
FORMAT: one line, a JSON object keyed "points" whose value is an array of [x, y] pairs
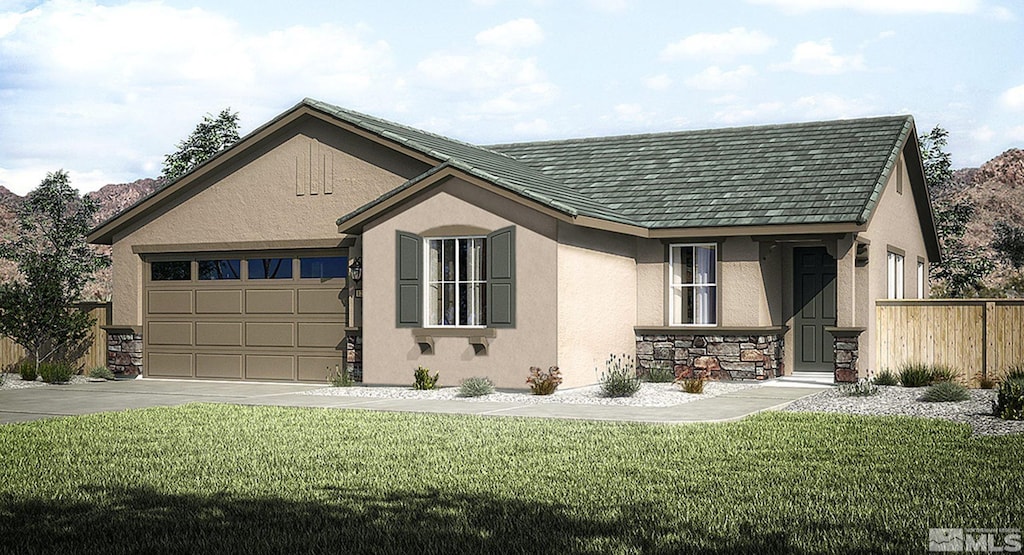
{"points": [[660, 373], [946, 392], [915, 375], [887, 377], [101, 372], [27, 371], [476, 387], [339, 378], [544, 383], [55, 372], [423, 380], [1014, 372], [619, 378], [943, 373], [1009, 403], [985, 382], [692, 385], [862, 388]]}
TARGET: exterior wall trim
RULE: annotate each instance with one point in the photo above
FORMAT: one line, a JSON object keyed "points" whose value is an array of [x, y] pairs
{"points": [[244, 246]]}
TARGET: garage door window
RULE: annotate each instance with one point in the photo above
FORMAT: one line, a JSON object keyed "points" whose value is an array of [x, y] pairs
{"points": [[220, 269], [270, 268], [171, 270], [323, 267]]}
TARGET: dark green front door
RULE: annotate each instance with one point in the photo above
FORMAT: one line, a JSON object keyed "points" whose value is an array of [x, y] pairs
{"points": [[814, 303]]}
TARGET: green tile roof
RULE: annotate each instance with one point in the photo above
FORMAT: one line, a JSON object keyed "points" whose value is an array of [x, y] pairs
{"points": [[822, 172]]}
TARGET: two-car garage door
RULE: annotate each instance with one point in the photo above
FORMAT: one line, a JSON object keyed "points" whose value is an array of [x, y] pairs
{"points": [[245, 316]]}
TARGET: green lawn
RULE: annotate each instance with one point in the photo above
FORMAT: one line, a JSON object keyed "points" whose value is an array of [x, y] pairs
{"points": [[214, 478]]}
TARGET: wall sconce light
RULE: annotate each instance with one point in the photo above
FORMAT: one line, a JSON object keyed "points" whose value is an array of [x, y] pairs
{"points": [[355, 269]]}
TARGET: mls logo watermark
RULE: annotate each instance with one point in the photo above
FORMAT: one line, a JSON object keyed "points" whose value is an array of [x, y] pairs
{"points": [[986, 540]]}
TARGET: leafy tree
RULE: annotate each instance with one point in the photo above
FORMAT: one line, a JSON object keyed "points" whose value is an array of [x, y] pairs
{"points": [[54, 263], [962, 269], [211, 136], [1009, 242]]}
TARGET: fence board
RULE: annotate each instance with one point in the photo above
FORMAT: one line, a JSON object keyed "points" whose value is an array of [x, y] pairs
{"points": [[973, 336], [95, 355]]}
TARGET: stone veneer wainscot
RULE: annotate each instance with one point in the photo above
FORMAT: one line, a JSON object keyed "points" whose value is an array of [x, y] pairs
{"points": [[720, 353]]}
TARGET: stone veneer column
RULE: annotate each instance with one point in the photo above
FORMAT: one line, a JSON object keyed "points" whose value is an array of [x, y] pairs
{"points": [[846, 345], [354, 354], [124, 352]]}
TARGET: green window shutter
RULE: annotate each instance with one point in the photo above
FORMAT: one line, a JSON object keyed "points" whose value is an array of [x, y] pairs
{"points": [[501, 278], [408, 280]]}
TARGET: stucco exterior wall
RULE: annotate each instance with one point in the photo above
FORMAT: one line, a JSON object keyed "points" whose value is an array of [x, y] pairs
{"points": [[255, 197], [597, 275], [391, 354], [895, 224]]}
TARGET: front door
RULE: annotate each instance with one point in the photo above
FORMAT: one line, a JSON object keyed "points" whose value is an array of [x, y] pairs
{"points": [[814, 303]]}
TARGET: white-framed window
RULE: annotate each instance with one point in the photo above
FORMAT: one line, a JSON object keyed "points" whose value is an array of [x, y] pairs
{"points": [[895, 275], [456, 281], [693, 285], [921, 279]]}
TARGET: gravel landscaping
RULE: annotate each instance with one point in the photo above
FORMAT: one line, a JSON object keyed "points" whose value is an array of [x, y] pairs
{"points": [[650, 394], [14, 381], [894, 400]]}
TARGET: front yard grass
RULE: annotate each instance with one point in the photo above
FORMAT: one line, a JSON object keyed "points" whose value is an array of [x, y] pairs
{"points": [[219, 478]]}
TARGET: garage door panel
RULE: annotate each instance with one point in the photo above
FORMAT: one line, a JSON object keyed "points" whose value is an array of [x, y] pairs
{"points": [[171, 365], [320, 301], [315, 369], [269, 301], [219, 334], [219, 302], [170, 333], [170, 302], [269, 334], [321, 334], [269, 367], [218, 366]]}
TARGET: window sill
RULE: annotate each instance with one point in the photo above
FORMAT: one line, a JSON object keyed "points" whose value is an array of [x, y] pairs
{"points": [[478, 337]]}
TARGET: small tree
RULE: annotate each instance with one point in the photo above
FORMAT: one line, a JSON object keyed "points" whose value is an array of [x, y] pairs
{"points": [[1009, 243], [962, 269], [211, 136], [54, 264]]}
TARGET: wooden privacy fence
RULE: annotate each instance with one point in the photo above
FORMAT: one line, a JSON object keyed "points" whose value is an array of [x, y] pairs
{"points": [[95, 350], [973, 336]]}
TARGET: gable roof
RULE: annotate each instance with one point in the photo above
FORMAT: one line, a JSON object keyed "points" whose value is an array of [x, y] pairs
{"points": [[820, 175]]}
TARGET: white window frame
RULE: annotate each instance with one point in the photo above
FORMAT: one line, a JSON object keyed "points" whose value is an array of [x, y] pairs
{"points": [[894, 275], [675, 319], [428, 282], [920, 279]]}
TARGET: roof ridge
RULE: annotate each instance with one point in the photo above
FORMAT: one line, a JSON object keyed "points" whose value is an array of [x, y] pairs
{"points": [[374, 121], [708, 130]]}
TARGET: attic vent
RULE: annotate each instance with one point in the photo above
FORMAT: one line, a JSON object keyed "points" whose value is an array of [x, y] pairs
{"points": [[314, 170]]}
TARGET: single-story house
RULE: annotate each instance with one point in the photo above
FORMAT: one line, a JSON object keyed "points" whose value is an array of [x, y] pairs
{"points": [[329, 238]]}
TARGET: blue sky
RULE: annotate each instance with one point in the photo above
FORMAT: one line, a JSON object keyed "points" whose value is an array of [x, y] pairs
{"points": [[105, 89]]}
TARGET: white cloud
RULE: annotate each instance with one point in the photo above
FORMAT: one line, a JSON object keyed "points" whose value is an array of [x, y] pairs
{"points": [[714, 78], [536, 127], [831, 106], [660, 82], [633, 114], [749, 113], [983, 134], [877, 6], [1002, 13], [609, 6], [738, 41], [1013, 98], [110, 89], [809, 107], [518, 33], [1015, 133], [820, 58]]}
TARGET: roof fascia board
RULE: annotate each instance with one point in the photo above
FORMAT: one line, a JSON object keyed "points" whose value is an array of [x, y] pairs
{"points": [[757, 230]]}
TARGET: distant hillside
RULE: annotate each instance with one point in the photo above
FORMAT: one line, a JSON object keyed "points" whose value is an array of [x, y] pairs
{"points": [[997, 191]]}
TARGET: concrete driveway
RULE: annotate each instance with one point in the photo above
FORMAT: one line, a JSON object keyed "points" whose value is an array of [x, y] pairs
{"points": [[20, 405]]}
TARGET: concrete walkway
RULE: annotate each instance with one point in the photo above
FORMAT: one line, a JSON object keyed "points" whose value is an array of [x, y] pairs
{"points": [[19, 405]]}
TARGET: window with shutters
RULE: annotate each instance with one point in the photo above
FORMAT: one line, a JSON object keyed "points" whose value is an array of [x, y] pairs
{"points": [[456, 281]]}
